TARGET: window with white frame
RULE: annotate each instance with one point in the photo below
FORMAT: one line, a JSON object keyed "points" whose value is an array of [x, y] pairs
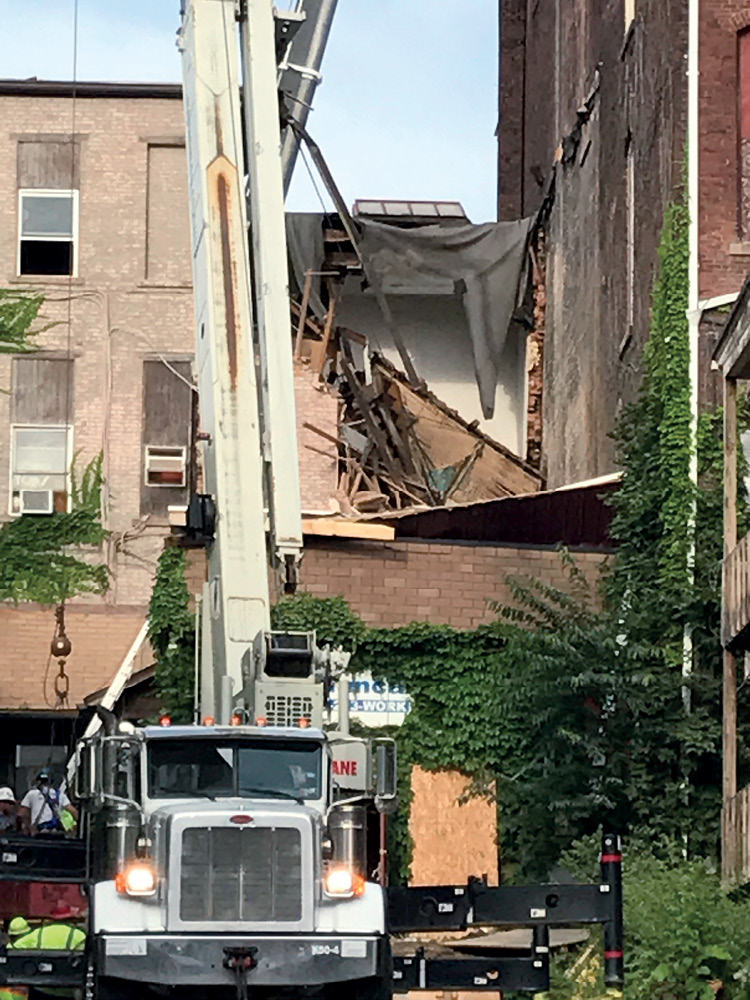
{"points": [[41, 455], [47, 232]]}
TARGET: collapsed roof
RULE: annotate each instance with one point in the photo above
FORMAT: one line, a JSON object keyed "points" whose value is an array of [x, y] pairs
{"points": [[399, 445]]}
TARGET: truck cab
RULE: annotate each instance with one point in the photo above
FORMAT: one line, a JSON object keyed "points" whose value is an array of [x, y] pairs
{"points": [[227, 853]]}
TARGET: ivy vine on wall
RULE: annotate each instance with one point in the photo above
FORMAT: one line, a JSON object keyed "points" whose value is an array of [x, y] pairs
{"points": [[171, 632], [38, 554], [38, 560]]}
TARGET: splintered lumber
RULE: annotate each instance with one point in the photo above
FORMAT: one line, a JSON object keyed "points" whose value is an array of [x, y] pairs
{"points": [[311, 329], [369, 500], [403, 452], [374, 430]]}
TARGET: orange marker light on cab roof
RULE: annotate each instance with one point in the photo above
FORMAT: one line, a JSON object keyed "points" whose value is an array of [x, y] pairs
{"points": [[165, 720], [236, 720], [209, 720], [304, 723], [261, 721]]}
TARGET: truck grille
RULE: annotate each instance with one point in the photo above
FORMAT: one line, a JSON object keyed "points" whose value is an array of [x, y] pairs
{"points": [[287, 710], [251, 874]]}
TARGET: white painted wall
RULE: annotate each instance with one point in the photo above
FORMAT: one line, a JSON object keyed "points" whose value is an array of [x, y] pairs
{"points": [[436, 332]]}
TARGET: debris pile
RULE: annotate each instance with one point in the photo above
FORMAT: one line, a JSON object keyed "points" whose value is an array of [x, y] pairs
{"points": [[399, 446]]}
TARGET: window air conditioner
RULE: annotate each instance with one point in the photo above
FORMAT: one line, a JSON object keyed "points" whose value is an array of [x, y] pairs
{"points": [[165, 466], [37, 502]]}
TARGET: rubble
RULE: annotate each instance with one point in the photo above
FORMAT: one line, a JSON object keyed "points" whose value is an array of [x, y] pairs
{"points": [[399, 446]]}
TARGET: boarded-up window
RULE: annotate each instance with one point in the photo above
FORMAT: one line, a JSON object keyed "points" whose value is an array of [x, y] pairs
{"points": [[743, 44], [168, 407], [42, 391], [41, 435], [48, 163], [168, 259]]}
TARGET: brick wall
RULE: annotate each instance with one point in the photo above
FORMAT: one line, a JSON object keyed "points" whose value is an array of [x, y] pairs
{"points": [[101, 639], [724, 258], [635, 82], [318, 406], [119, 316], [535, 359], [387, 583], [510, 132], [395, 583], [131, 301]]}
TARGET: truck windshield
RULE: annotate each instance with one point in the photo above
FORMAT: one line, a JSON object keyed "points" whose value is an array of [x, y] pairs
{"points": [[245, 768]]}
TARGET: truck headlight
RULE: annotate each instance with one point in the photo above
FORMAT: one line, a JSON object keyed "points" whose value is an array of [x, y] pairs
{"points": [[138, 879], [343, 883]]}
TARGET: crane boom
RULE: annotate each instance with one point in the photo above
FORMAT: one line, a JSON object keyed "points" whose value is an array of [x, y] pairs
{"points": [[262, 31], [236, 598]]}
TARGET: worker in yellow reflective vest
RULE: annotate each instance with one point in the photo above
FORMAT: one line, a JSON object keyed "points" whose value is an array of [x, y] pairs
{"points": [[14, 992], [60, 935], [7, 992]]}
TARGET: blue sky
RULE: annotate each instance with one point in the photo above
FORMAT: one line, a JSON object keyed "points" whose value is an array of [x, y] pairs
{"points": [[407, 107]]}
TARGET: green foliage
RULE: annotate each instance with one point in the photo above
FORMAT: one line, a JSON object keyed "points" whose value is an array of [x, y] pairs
{"points": [[450, 675], [653, 506], [37, 560], [330, 618], [682, 931], [18, 311], [334, 622], [171, 631]]}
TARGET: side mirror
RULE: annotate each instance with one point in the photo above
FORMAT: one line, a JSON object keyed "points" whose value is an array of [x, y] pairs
{"points": [[86, 784], [385, 776]]}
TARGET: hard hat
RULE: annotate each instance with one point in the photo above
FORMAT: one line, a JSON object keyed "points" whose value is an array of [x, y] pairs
{"points": [[44, 775], [6, 794], [18, 926], [62, 910]]}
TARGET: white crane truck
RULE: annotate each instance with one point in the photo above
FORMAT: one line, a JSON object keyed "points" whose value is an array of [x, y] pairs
{"points": [[225, 858]]}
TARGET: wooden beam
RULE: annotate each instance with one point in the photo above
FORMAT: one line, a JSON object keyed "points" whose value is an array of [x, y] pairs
{"points": [[730, 465], [330, 527], [324, 434], [375, 433], [729, 846], [320, 348], [303, 313]]}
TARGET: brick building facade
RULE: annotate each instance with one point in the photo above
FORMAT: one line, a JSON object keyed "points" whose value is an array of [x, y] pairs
{"points": [[593, 118], [94, 215]]}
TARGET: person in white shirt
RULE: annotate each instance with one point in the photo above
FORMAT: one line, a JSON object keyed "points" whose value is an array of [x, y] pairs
{"points": [[43, 806]]}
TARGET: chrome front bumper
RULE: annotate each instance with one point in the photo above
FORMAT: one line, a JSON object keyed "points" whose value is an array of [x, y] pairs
{"points": [[199, 960]]}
